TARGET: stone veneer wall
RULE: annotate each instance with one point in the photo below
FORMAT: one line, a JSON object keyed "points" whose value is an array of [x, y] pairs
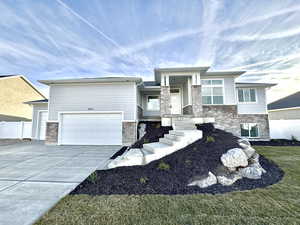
{"points": [[51, 133], [227, 118], [197, 100], [129, 132], [187, 110], [165, 101]]}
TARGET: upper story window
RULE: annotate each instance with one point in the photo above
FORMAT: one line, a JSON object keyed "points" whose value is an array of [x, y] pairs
{"points": [[153, 103], [212, 92], [247, 95]]}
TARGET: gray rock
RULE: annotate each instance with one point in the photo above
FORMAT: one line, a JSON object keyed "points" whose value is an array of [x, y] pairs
{"points": [[205, 182], [234, 158], [249, 151], [251, 172], [228, 179], [244, 142], [254, 158], [142, 130]]}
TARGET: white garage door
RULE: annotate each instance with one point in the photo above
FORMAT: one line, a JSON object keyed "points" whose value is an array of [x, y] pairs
{"points": [[91, 129], [43, 116]]}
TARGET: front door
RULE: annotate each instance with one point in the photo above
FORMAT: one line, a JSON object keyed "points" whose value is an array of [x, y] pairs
{"points": [[175, 101]]}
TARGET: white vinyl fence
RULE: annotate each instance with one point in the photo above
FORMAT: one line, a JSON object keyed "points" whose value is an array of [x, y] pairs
{"points": [[284, 129], [15, 130]]}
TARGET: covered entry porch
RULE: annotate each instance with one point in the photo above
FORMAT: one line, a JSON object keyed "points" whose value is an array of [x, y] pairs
{"points": [[174, 93]]}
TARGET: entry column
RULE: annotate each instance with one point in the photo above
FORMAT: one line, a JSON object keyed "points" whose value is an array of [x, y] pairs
{"points": [[196, 95]]}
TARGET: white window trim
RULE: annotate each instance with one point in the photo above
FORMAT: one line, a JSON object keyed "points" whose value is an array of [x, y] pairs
{"points": [[215, 85], [255, 89], [258, 131], [147, 103]]}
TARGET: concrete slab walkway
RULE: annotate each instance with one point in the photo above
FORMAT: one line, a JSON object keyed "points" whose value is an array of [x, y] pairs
{"points": [[34, 177]]}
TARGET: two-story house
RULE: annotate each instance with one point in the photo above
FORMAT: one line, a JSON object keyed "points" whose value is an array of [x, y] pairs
{"points": [[107, 110]]}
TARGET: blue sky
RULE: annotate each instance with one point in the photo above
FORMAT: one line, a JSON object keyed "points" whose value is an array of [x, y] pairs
{"points": [[50, 39]]}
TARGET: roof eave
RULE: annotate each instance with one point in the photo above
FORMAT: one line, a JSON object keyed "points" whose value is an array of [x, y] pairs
{"points": [[92, 80]]}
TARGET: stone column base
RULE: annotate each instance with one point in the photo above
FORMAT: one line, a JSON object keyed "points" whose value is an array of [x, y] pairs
{"points": [[129, 133], [51, 133]]}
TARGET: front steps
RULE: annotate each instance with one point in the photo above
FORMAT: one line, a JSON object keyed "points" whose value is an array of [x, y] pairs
{"points": [[183, 134], [172, 142]]}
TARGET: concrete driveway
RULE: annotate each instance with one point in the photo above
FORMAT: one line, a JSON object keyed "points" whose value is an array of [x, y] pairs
{"points": [[34, 177]]}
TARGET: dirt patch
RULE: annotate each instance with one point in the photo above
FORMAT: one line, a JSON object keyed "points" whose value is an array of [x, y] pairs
{"points": [[172, 173]]}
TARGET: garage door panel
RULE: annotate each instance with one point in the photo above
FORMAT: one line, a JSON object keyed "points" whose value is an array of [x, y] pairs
{"points": [[91, 129]]}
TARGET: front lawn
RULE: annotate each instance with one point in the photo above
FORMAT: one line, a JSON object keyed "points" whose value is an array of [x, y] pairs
{"points": [[276, 204]]}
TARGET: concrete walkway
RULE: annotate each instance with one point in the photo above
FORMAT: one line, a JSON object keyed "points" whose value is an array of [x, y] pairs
{"points": [[34, 177]]}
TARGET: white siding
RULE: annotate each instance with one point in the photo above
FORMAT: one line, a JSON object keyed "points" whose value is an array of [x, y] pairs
{"points": [[97, 97], [36, 109], [260, 107], [229, 91], [288, 114]]}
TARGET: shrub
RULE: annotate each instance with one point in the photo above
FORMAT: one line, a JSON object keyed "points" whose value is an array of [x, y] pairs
{"points": [[144, 180], [93, 178], [210, 139], [146, 140], [163, 166], [294, 138]]}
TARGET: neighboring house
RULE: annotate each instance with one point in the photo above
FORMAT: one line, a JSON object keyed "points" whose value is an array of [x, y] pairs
{"points": [[287, 108], [106, 110], [14, 91], [39, 118]]}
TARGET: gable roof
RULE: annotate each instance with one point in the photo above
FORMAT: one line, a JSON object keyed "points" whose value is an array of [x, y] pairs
{"points": [[23, 78], [290, 101]]}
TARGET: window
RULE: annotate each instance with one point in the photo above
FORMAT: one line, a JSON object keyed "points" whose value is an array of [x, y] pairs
{"points": [[249, 130], [247, 95], [153, 103], [212, 92]]}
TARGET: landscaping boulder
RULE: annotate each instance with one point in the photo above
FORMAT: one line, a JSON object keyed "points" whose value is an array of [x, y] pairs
{"points": [[254, 171], [130, 158], [228, 179], [234, 158], [254, 158], [245, 145], [244, 142], [205, 182]]}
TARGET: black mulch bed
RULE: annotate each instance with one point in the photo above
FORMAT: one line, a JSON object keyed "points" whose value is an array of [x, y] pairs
{"points": [[277, 142], [186, 164], [153, 130]]}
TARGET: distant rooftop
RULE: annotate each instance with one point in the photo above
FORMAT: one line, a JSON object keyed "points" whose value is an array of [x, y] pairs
{"points": [[37, 101], [12, 75], [290, 101]]}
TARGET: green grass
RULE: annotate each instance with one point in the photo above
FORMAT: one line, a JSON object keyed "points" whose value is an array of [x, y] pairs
{"points": [[276, 204]]}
